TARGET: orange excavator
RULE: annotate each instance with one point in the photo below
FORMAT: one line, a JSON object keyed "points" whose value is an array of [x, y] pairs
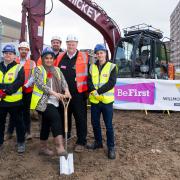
{"points": [[139, 54]]}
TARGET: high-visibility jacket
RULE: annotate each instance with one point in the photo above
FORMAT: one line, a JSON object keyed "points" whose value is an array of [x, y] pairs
{"points": [[61, 54], [8, 78], [99, 79], [37, 93], [81, 70], [28, 67]]}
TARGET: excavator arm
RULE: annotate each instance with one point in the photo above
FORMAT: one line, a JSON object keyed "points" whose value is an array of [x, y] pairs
{"points": [[34, 12], [88, 10]]}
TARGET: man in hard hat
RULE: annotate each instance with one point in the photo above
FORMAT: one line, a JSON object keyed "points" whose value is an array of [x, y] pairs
{"points": [[28, 65], [101, 82], [56, 42], [11, 82], [74, 66]]}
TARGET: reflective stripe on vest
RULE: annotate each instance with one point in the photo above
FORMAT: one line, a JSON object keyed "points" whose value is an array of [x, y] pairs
{"points": [[28, 66], [81, 70], [59, 58], [99, 80], [37, 93], [9, 78]]}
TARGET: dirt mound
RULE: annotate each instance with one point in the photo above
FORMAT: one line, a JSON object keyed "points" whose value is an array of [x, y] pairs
{"points": [[148, 148]]}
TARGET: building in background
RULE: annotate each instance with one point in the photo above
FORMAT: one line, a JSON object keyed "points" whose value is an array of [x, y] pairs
{"points": [[10, 31], [175, 36]]}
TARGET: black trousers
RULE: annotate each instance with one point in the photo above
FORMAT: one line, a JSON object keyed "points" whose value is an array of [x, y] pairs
{"points": [[26, 115], [51, 121], [16, 117], [78, 107]]}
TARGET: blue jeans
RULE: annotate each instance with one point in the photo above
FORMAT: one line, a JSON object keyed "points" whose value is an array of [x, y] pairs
{"points": [[107, 112]]}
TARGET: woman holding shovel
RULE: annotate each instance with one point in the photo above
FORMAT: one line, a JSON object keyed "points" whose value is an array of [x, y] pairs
{"points": [[50, 88]]}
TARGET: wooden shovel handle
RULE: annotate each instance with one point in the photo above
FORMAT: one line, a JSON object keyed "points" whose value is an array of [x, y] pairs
{"points": [[66, 104]]}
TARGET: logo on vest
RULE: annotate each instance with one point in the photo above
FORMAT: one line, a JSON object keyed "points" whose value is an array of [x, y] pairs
{"points": [[105, 75], [63, 67], [10, 76]]}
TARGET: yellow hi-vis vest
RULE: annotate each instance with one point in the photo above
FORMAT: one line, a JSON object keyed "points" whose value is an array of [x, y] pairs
{"points": [[37, 93], [8, 78], [101, 79]]}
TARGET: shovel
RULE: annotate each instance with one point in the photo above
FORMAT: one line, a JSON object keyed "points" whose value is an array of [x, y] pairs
{"points": [[66, 162]]}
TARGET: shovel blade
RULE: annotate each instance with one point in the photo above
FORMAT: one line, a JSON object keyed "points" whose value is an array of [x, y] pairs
{"points": [[67, 164]]}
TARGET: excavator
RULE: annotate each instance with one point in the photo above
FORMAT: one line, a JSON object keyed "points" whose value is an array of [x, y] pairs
{"points": [[138, 54]]}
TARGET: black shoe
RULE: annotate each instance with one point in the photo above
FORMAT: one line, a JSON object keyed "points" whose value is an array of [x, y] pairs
{"points": [[94, 146], [111, 153]]}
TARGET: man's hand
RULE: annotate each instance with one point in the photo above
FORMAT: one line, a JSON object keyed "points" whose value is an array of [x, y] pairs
{"points": [[96, 95], [100, 98]]}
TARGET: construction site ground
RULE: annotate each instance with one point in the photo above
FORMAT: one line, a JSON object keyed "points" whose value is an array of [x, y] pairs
{"points": [[147, 147]]}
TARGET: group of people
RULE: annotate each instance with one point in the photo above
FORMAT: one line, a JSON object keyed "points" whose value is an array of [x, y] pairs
{"points": [[57, 75]]}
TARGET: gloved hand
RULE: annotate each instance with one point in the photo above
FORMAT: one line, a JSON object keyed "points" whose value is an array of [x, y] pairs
{"points": [[2, 94], [96, 95], [99, 98]]}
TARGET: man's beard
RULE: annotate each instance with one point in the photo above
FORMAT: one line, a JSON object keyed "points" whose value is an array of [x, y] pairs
{"points": [[56, 48], [23, 55]]}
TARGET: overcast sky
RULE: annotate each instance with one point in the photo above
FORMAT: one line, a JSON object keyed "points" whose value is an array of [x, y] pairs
{"points": [[63, 21]]}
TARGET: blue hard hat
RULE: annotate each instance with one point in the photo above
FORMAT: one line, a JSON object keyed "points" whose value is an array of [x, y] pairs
{"points": [[9, 48], [46, 51], [100, 47]]}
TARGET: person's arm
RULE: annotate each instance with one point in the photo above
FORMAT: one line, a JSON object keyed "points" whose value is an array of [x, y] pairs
{"points": [[13, 87], [30, 81], [38, 80], [2, 86], [110, 84], [90, 83]]}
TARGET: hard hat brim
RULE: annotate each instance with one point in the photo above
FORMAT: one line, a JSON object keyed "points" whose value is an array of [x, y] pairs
{"points": [[9, 51]]}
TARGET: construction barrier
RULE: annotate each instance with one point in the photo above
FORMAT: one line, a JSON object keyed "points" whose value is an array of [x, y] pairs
{"points": [[147, 94]]}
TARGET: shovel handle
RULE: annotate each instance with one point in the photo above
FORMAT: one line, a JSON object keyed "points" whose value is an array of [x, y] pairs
{"points": [[66, 102]]}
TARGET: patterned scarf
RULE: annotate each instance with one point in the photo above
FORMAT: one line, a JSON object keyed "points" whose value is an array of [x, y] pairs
{"points": [[53, 75]]}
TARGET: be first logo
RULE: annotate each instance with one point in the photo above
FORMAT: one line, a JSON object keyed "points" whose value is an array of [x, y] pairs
{"points": [[133, 92], [139, 93]]}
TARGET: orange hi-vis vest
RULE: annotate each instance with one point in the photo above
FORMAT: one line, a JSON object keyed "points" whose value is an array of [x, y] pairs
{"points": [[61, 54], [81, 70], [28, 67]]}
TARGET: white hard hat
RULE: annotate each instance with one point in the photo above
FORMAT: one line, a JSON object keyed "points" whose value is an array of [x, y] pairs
{"points": [[56, 38], [71, 37], [24, 45]]}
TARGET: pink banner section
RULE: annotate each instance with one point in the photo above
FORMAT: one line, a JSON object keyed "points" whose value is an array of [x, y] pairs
{"points": [[139, 93]]}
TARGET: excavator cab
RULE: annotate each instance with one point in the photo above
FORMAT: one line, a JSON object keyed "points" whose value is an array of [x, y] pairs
{"points": [[140, 53]]}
